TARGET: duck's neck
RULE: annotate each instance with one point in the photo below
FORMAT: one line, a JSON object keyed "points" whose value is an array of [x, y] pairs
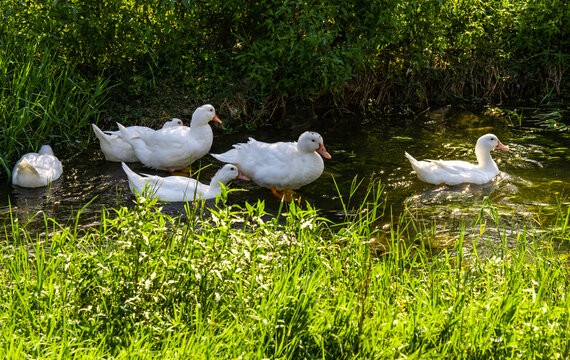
{"points": [[201, 131], [215, 185], [485, 160]]}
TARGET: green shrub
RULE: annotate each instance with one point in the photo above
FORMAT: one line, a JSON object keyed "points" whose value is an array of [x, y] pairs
{"points": [[248, 54]]}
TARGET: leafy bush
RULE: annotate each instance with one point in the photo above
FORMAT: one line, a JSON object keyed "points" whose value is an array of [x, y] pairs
{"points": [[390, 50]]}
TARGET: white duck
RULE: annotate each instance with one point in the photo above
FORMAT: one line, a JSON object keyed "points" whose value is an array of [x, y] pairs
{"points": [[180, 188], [115, 148], [453, 172], [37, 169], [177, 147], [280, 165]]}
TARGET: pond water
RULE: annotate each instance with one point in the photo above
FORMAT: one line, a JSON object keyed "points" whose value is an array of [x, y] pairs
{"points": [[534, 178]]}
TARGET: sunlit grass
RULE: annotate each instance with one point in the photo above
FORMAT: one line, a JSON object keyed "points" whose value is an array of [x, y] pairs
{"points": [[236, 282]]}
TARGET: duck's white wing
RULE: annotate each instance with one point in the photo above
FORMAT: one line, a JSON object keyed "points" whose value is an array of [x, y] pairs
{"points": [[166, 138], [178, 188], [180, 183], [270, 154], [450, 172], [256, 152], [166, 148], [265, 163], [133, 130], [454, 166], [170, 188]]}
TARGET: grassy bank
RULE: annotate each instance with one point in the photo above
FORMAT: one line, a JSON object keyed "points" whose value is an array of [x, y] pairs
{"points": [[236, 283]]}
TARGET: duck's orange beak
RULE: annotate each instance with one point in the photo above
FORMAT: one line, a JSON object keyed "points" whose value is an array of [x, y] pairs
{"points": [[217, 119], [321, 150], [242, 176], [502, 147]]}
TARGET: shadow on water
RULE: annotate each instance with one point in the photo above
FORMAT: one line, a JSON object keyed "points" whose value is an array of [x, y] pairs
{"points": [[534, 177]]}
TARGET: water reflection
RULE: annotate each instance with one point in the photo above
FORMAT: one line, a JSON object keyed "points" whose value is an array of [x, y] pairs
{"points": [[534, 176], [30, 201]]}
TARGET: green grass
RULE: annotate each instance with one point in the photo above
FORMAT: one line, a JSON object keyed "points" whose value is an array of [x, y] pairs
{"points": [[234, 282], [43, 100]]}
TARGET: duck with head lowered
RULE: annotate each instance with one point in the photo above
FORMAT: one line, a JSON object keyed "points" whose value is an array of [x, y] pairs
{"points": [[37, 169], [175, 148], [453, 172], [181, 188], [281, 165]]}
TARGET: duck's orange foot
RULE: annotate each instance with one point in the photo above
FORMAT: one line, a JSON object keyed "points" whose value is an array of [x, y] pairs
{"points": [[284, 195]]}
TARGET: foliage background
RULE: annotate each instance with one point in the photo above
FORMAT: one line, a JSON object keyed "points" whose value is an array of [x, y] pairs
{"points": [[250, 58], [433, 49]]}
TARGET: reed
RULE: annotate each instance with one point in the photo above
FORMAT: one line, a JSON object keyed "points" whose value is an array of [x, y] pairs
{"points": [[43, 100], [234, 281]]}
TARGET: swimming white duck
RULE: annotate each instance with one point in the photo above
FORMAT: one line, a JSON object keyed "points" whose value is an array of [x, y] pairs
{"points": [[453, 172], [180, 188], [176, 147], [115, 148], [37, 169], [280, 165]]}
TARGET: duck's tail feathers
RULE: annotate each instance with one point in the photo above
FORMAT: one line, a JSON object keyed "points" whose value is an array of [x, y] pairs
{"points": [[410, 158], [136, 182], [131, 175], [126, 134], [230, 156], [100, 134], [415, 164], [139, 184], [46, 150]]}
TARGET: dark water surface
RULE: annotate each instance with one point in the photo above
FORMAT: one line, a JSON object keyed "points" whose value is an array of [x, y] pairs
{"points": [[534, 179]]}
